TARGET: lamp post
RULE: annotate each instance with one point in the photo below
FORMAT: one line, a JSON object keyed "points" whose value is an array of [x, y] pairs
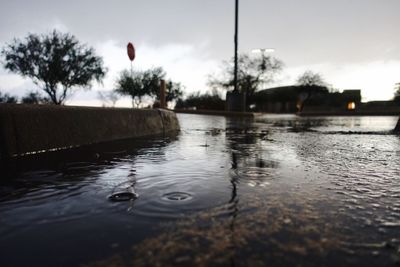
{"points": [[263, 50], [235, 79], [235, 100]]}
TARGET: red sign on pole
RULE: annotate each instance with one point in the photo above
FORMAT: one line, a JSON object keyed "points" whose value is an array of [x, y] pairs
{"points": [[131, 51]]}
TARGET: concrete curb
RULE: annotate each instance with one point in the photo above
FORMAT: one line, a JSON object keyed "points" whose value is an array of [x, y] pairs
{"points": [[29, 129]]}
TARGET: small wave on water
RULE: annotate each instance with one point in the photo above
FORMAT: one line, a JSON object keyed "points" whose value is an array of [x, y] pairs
{"points": [[124, 192], [177, 196]]}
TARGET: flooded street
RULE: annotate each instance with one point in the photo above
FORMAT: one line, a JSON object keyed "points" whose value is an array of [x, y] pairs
{"points": [[274, 190]]}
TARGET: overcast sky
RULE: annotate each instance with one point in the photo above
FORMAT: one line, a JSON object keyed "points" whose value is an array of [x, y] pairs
{"points": [[354, 44]]}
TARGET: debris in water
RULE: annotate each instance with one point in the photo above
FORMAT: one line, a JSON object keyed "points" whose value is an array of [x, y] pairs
{"points": [[126, 191], [123, 196]]}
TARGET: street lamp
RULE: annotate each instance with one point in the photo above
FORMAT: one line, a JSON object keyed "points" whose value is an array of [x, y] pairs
{"points": [[235, 78], [263, 51], [235, 100]]}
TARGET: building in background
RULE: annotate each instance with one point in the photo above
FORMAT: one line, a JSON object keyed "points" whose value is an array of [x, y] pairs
{"points": [[317, 100]]}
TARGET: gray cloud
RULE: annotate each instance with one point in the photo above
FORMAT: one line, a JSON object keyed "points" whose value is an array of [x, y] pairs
{"points": [[307, 32]]}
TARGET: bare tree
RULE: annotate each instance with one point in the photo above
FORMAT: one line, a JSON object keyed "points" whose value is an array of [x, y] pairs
{"points": [[35, 98], [109, 98], [309, 78], [6, 98], [253, 73], [139, 84], [311, 84]]}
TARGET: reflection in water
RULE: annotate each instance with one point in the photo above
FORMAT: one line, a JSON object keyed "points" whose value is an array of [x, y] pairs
{"points": [[62, 199], [277, 190], [233, 208]]}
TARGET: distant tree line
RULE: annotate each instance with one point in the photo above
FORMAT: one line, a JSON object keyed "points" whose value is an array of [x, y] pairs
{"points": [[199, 100], [59, 64], [6, 98], [30, 98]]}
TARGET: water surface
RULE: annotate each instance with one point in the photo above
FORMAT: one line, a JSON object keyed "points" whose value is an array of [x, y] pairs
{"points": [[276, 190]]}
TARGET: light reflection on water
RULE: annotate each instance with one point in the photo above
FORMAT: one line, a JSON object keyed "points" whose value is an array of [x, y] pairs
{"points": [[310, 190]]}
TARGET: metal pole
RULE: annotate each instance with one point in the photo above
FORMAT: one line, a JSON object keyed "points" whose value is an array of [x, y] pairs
{"points": [[131, 70], [236, 45]]}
